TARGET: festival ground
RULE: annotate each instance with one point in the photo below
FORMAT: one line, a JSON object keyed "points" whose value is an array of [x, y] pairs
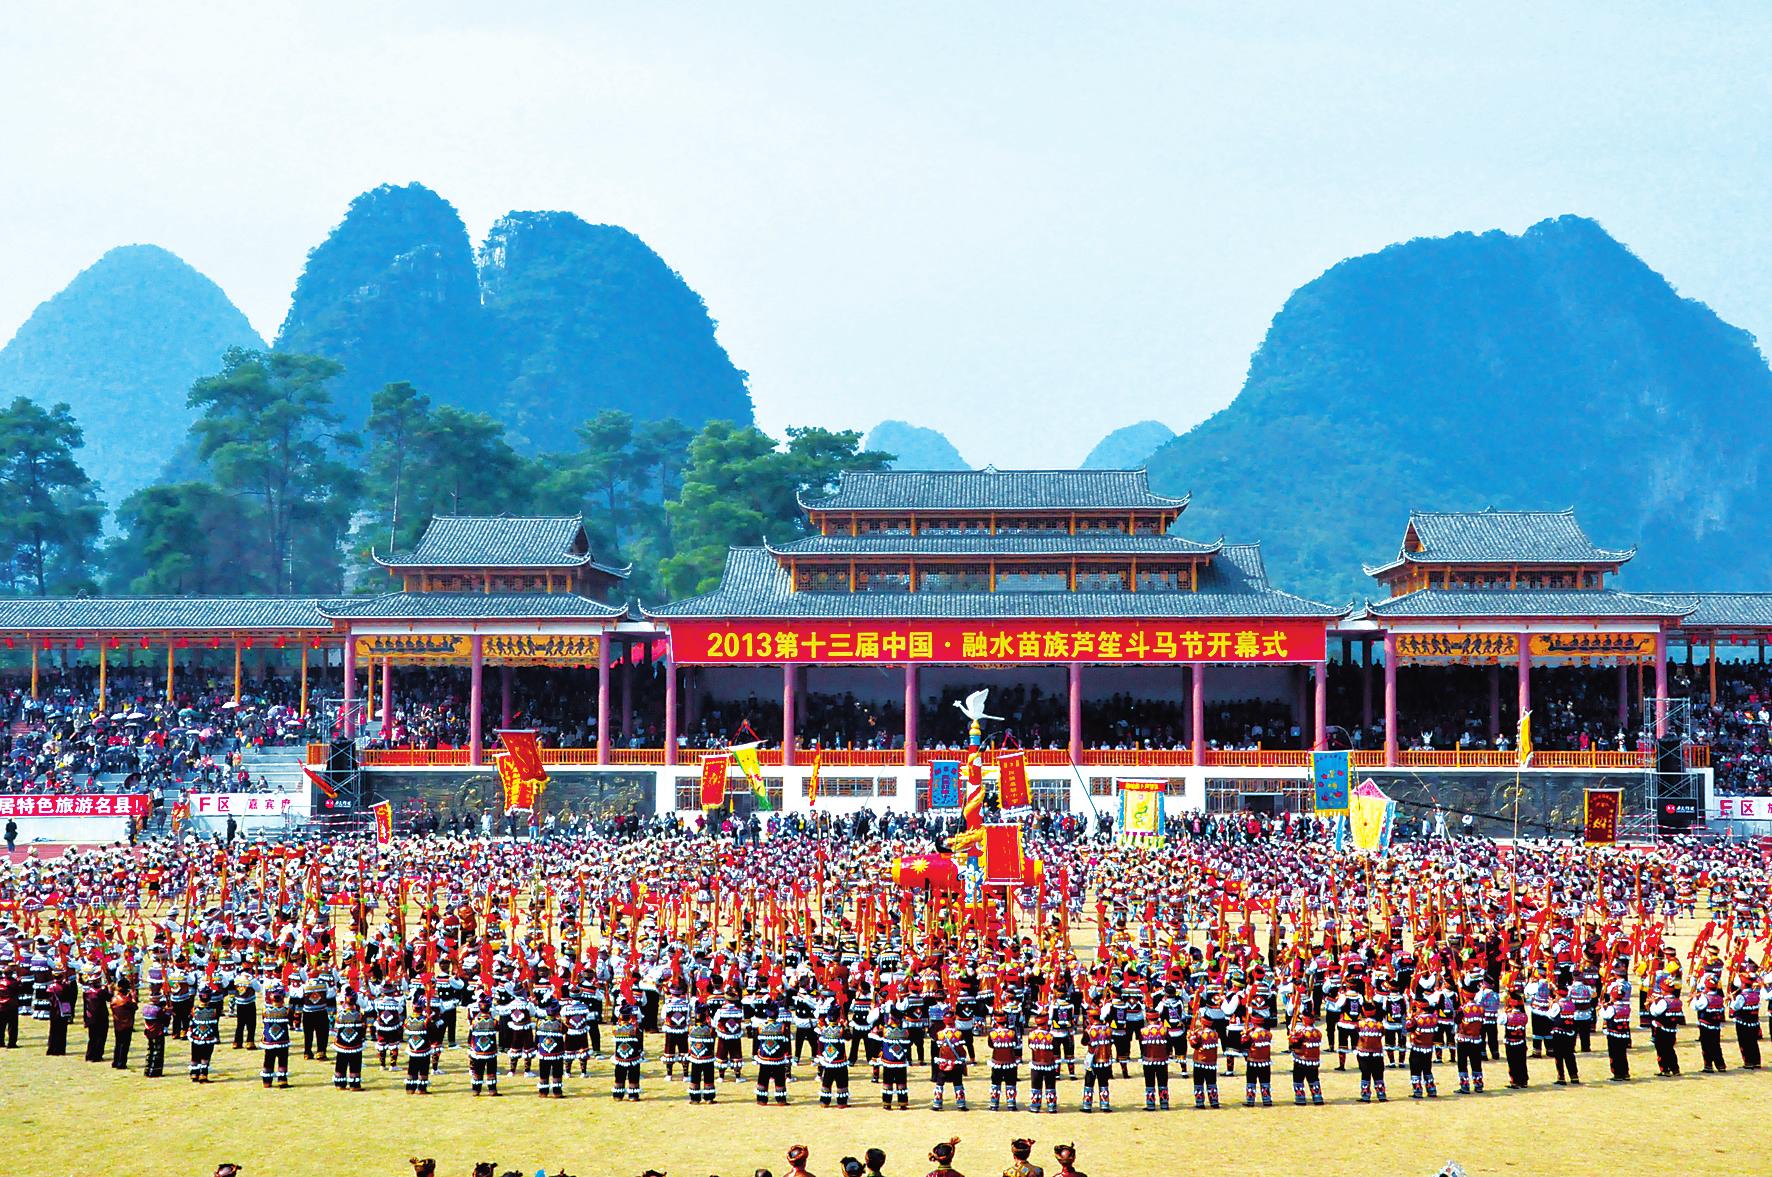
{"points": [[65, 1116]]}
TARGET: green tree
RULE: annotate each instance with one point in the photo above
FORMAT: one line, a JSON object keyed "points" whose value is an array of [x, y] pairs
{"points": [[49, 508], [269, 432], [181, 539], [398, 415], [740, 487]]}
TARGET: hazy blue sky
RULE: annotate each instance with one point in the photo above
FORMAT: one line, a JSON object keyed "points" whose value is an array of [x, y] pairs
{"points": [[1022, 223]]}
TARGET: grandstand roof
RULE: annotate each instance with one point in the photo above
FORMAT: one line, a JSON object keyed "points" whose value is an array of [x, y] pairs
{"points": [[1721, 610], [991, 489], [501, 541], [452, 606], [155, 614], [1498, 537], [1235, 585], [1573, 603], [1002, 544]]}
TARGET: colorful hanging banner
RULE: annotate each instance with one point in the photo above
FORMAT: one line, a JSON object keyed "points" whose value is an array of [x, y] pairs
{"points": [[1002, 855], [1012, 782], [745, 756], [1329, 772], [812, 780], [520, 769], [384, 822], [1141, 809], [944, 784], [525, 649], [713, 781], [1369, 814], [1600, 812]]}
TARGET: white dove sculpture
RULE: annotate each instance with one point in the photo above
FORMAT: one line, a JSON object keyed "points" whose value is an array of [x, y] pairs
{"points": [[973, 707]]}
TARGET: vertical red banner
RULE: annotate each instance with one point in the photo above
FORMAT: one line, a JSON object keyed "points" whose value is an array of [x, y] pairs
{"points": [[1012, 782]]}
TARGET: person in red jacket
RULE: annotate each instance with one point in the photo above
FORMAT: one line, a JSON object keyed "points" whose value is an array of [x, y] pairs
{"points": [[1202, 1041]]}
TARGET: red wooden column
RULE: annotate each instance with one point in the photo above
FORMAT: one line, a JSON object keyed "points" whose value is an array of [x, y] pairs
{"points": [[387, 694], [1525, 678], [670, 718], [911, 707], [1661, 681], [348, 726], [603, 699], [1320, 717], [1197, 712], [627, 697], [1390, 698], [476, 694], [1076, 717], [790, 698]]}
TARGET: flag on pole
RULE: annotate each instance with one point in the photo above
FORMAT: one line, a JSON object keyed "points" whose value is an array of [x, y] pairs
{"points": [[713, 781], [384, 822], [1526, 739], [1600, 810], [1141, 809], [745, 756], [944, 784], [321, 783], [1012, 782], [1002, 855], [1369, 815], [1329, 771], [812, 780]]}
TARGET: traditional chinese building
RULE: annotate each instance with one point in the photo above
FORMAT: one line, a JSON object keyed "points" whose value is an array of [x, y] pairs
{"points": [[1070, 572]]}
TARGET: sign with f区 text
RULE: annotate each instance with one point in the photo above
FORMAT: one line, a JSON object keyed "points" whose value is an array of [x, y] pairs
{"points": [[1064, 640]]}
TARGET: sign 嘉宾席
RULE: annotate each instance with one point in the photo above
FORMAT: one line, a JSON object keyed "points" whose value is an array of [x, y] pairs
{"points": [[897, 641]]}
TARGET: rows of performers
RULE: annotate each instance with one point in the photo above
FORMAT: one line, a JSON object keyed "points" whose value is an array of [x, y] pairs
{"points": [[717, 1018]]}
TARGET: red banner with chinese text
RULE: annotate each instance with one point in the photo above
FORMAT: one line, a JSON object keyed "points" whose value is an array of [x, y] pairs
{"points": [[1012, 782], [74, 805], [1600, 813], [713, 781], [1062, 640]]}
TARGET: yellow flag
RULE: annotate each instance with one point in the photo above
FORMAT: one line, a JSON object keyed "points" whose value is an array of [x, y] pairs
{"points": [[745, 756], [1525, 739], [812, 781]]}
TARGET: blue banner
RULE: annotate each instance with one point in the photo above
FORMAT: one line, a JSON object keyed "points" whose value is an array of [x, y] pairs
{"points": [[1329, 771], [944, 784]]}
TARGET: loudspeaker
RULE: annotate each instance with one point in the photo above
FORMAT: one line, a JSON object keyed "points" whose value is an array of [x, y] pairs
{"points": [[1676, 803], [1669, 759], [341, 756]]}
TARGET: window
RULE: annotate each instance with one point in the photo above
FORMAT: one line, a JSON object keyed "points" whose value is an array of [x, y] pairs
{"points": [[840, 786], [1035, 525], [888, 786], [954, 578], [1102, 525], [941, 526], [883, 578], [883, 527], [1101, 580], [1161, 579], [1051, 793], [1031, 578], [823, 579], [688, 793]]}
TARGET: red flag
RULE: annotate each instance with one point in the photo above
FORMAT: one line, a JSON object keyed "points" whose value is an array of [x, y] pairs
{"points": [[321, 783], [713, 781], [1012, 781]]}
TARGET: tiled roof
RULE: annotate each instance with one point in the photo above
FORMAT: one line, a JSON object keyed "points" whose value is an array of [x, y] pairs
{"points": [[1502, 537], [991, 489], [1454, 603], [1721, 610], [1006, 544], [454, 606], [1233, 585], [501, 541], [121, 614]]}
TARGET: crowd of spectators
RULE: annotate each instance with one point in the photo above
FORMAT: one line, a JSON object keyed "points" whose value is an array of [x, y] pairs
{"points": [[1738, 729], [62, 741]]}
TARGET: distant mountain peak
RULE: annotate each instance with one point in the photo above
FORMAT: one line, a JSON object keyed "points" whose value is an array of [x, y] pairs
{"points": [[121, 344], [1532, 370], [914, 447], [1128, 447]]}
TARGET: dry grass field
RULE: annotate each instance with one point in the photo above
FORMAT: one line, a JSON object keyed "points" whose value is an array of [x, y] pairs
{"points": [[65, 1116]]}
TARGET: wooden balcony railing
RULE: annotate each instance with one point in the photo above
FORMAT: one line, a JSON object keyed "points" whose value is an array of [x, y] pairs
{"points": [[1696, 756]]}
